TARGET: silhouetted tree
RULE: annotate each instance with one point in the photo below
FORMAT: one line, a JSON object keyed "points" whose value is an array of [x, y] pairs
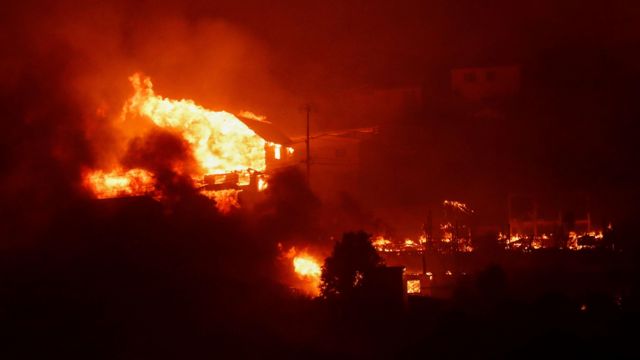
{"points": [[346, 269]]}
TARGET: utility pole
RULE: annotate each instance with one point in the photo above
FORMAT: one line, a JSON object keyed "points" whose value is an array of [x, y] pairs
{"points": [[428, 235], [535, 218], [308, 108], [588, 213]]}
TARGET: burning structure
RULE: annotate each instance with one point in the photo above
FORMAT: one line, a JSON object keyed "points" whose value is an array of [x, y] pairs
{"points": [[453, 233], [445, 253], [230, 156], [531, 226], [230, 153]]}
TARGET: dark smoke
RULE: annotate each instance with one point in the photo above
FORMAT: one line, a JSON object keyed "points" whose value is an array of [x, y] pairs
{"points": [[167, 156]]}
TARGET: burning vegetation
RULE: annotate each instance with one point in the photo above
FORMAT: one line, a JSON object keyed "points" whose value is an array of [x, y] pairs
{"points": [[307, 269]]}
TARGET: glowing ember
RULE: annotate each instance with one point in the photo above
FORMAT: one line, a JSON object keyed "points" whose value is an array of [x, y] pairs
{"points": [[119, 183], [458, 205], [381, 244], [413, 286], [536, 243], [574, 240], [411, 245], [447, 232]]}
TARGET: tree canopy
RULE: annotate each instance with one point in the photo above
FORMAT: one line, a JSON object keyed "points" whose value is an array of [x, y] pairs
{"points": [[346, 269]]}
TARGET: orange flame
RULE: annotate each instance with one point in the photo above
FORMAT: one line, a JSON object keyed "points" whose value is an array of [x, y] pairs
{"points": [[307, 269], [262, 184], [219, 141], [119, 183], [305, 265], [226, 200]]}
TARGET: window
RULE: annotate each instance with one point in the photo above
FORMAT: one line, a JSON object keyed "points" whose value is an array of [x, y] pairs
{"points": [[276, 150], [470, 77], [413, 286]]}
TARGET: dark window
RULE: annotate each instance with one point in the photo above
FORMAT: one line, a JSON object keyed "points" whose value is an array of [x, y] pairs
{"points": [[490, 75], [470, 77], [341, 153]]}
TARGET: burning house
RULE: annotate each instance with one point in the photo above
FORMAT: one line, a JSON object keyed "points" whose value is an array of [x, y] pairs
{"points": [[534, 223], [230, 154]]}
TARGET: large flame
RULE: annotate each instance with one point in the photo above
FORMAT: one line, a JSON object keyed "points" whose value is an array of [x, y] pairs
{"points": [[307, 269], [305, 265], [219, 141]]}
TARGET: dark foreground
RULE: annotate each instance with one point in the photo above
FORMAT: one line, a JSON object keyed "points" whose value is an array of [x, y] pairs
{"points": [[115, 284]]}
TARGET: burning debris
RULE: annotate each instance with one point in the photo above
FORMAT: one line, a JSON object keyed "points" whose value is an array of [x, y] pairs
{"points": [[228, 154], [572, 241], [226, 200], [458, 206], [453, 234]]}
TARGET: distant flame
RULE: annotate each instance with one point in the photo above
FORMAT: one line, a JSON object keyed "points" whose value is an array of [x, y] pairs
{"points": [[458, 205], [573, 238]]}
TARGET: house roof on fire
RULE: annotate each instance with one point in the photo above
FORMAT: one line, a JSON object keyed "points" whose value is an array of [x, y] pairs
{"points": [[267, 131]]}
